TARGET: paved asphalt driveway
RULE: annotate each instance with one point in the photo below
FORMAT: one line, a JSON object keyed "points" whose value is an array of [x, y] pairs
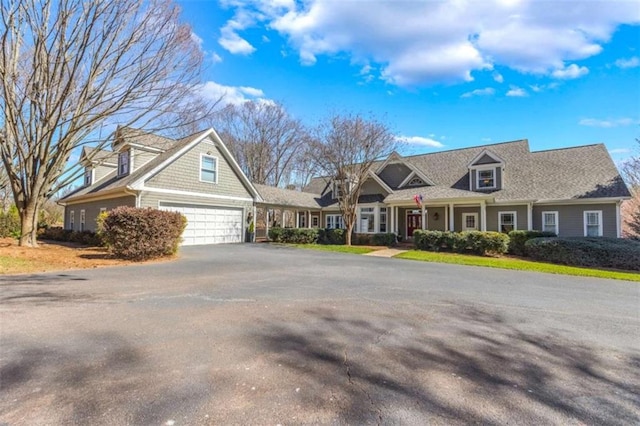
{"points": [[256, 334]]}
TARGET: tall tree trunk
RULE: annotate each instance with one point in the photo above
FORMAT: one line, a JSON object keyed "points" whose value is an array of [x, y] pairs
{"points": [[349, 231], [29, 224]]}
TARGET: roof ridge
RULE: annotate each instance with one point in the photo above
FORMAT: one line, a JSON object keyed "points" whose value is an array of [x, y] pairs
{"points": [[569, 147], [468, 147]]}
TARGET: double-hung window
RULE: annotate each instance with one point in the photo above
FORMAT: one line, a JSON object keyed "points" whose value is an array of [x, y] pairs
{"points": [[507, 221], [593, 223], [383, 219], [334, 221], [486, 178], [82, 219], [208, 169], [550, 222], [88, 176], [72, 220], [123, 163], [367, 218]]}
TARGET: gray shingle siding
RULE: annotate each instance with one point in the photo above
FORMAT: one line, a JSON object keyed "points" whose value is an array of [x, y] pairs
{"points": [[92, 210], [521, 216], [142, 157], [102, 171], [571, 218], [371, 187], [184, 174], [457, 214], [394, 174]]}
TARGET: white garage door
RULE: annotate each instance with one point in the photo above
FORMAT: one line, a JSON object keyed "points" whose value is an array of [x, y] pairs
{"points": [[208, 224]]}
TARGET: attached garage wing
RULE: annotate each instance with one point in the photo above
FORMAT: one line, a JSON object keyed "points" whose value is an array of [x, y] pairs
{"points": [[208, 224]]}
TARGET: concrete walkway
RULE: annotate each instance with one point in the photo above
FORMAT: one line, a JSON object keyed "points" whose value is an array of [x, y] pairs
{"points": [[389, 252]]}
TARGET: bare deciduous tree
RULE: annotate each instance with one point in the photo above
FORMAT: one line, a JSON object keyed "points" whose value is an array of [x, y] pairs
{"points": [[71, 67], [631, 208], [265, 140], [347, 147]]}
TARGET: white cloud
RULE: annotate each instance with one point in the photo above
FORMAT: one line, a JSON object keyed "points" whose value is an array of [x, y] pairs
{"points": [[486, 139], [498, 77], [419, 140], [427, 42], [570, 72], [235, 44], [231, 94], [516, 91], [487, 91], [196, 38], [608, 123], [619, 151], [215, 57], [628, 63]]}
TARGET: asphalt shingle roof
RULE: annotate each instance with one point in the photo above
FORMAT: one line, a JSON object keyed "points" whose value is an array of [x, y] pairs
{"points": [[287, 197]]}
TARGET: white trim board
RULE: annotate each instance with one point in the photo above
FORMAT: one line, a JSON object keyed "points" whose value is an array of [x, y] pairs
{"points": [[194, 194]]}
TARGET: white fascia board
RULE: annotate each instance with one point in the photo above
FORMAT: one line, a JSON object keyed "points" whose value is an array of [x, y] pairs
{"points": [[603, 200], [482, 154], [394, 156], [194, 194], [114, 193], [380, 182]]}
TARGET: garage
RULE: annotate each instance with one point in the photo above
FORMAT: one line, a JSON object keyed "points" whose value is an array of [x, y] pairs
{"points": [[209, 224]]}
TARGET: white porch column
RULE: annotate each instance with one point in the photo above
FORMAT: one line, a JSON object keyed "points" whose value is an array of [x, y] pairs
{"points": [[530, 216], [266, 221], [308, 218], [424, 218], [255, 222], [390, 219], [483, 215], [451, 218]]}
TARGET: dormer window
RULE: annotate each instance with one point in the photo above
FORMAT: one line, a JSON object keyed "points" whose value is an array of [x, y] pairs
{"points": [[123, 163], [88, 176], [486, 178]]}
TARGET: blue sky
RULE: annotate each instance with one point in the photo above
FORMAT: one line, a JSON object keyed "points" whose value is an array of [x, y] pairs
{"points": [[444, 75]]}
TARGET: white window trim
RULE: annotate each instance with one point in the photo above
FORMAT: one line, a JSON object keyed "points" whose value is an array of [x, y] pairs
{"points": [[216, 170], [515, 220], [326, 220], [83, 217], [72, 219], [555, 213], [386, 219], [315, 218], [373, 213], [103, 209], [120, 155], [584, 221], [91, 174], [484, 169], [464, 221]]}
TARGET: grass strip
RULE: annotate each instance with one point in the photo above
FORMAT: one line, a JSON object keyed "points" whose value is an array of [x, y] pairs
{"points": [[516, 264], [334, 248]]}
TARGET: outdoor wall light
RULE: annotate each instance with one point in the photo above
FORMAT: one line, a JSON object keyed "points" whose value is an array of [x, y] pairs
{"points": [[436, 216]]}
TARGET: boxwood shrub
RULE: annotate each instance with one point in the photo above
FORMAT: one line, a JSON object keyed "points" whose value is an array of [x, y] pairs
{"points": [[56, 233], [142, 233], [380, 239], [517, 239], [475, 242], [294, 235], [331, 236], [593, 252]]}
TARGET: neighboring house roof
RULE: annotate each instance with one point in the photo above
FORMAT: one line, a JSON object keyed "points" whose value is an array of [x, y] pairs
{"points": [[111, 183], [287, 197]]}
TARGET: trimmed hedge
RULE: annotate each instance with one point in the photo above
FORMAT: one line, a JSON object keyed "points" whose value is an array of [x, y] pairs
{"points": [[56, 233], [380, 239], [517, 240], [598, 252], [475, 242], [331, 236], [140, 234], [294, 235]]}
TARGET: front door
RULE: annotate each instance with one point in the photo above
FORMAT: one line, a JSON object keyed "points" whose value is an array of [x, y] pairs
{"points": [[414, 221]]}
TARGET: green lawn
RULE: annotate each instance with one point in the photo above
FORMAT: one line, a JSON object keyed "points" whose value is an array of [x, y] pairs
{"points": [[336, 248], [518, 264]]}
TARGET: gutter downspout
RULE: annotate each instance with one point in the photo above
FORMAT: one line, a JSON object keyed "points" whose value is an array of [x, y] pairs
{"points": [[136, 194]]}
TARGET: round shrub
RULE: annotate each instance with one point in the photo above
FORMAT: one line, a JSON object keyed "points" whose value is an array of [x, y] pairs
{"points": [[517, 240], [142, 233]]}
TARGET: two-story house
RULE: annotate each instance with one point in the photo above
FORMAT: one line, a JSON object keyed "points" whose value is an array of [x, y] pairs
{"points": [[195, 175]]}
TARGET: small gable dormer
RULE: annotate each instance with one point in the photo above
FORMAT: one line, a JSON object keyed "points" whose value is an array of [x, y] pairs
{"points": [[97, 163], [398, 173], [485, 172], [136, 148]]}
